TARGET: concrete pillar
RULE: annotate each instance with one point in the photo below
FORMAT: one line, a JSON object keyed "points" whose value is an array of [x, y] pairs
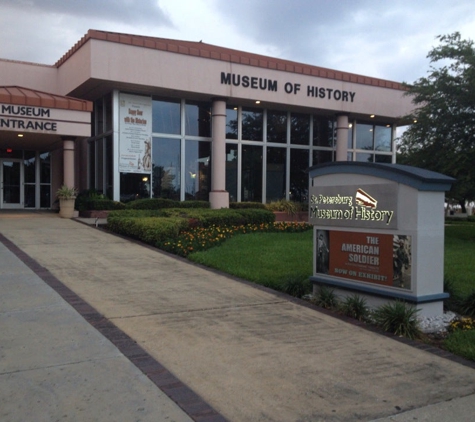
{"points": [[218, 197], [342, 137], [68, 163]]}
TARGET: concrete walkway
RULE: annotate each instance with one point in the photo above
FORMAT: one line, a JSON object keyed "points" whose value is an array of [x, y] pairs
{"points": [[167, 340]]}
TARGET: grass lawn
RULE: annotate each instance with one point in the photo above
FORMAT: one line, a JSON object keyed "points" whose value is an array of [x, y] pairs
{"points": [[268, 259], [460, 256]]}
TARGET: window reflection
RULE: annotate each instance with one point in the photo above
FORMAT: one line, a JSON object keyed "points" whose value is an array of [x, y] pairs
{"points": [[198, 119], [277, 126], [166, 168], [298, 175], [364, 136], [322, 131], [232, 171], [275, 175], [251, 183], [252, 121], [299, 128], [166, 117], [231, 122], [197, 170]]}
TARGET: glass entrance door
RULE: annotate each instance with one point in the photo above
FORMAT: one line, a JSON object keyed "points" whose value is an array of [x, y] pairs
{"points": [[12, 181]]}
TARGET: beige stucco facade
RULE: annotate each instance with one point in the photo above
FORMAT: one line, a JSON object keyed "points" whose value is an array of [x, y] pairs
{"points": [[104, 65]]}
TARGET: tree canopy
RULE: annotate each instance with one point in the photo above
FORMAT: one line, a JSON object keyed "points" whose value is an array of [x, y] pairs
{"points": [[442, 137]]}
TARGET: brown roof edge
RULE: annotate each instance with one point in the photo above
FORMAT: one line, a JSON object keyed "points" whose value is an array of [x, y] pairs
{"points": [[210, 51], [17, 95]]}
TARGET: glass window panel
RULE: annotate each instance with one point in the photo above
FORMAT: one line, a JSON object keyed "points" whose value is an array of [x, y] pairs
{"points": [[276, 174], [134, 186], [30, 196], [322, 131], [29, 163], [166, 117], [382, 138], [298, 175], [364, 157], [232, 171], [198, 119], [166, 168], [320, 157], [299, 128], [252, 124], [277, 126], [45, 196], [380, 158], [350, 136], [251, 183], [231, 122], [45, 167], [197, 170], [364, 136]]}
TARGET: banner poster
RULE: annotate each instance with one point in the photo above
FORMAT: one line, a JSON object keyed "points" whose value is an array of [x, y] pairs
{"points": [[370, 257], [135, 134]]}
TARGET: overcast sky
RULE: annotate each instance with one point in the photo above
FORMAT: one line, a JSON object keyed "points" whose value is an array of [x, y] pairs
{"points": [[380, 38]]}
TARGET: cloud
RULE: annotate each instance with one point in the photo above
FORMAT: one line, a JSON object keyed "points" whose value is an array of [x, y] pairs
{"points": [[385, 39], [124, 11]]}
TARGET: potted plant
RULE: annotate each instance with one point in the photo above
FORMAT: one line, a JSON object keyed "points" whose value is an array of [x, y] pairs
{"points": [[67, 197]]}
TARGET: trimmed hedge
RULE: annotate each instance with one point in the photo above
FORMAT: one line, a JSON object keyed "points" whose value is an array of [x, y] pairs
{"points": [[150, 230], [246, 205], [99, 204], [222, 217], [161, 203], [155, 226]]}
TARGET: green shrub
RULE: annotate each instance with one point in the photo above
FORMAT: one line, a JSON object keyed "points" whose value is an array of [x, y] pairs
{"points": [[326, 298], [149, 230], [452, 303], [161, 203], [102, 204], [151, 204], [296, 286], [467, 305], [87, 195], [128, 213], [246, 205], [283, 205], [461, 343], [222, 217], [398, 318], [355, 307]]}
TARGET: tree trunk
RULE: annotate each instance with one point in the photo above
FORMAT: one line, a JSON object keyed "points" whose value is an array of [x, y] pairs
{"points": [[462, 204]]}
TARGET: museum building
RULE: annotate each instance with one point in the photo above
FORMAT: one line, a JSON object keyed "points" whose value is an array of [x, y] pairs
{"points": [[134, 116]]}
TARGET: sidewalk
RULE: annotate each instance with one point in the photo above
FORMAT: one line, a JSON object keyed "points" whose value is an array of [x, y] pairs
{"points": [[247, 353]]}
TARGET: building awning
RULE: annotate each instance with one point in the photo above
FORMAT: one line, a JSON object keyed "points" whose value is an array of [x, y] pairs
{"points": [[17, 95], [38, 120]]}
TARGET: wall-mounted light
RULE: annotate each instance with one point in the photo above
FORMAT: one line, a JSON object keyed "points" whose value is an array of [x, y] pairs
{"points": [[372, 116], [20, 135], [258, 102], [145, 179]]}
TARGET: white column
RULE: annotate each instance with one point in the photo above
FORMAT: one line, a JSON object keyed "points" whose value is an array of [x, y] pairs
{"points": [[342, 137], [218, 197], [68, 163]]}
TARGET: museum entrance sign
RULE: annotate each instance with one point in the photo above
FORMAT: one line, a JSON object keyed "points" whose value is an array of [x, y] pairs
{"points": [[379, 232]]}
